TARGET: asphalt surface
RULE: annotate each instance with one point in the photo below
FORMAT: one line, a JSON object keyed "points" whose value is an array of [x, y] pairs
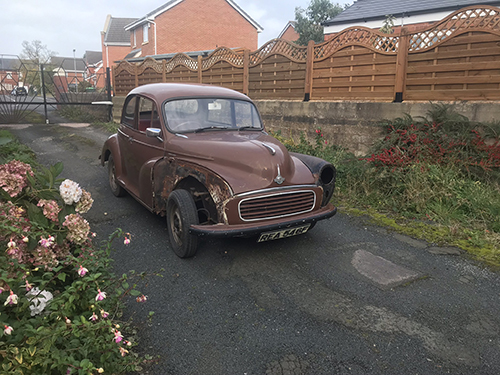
{"points": [[344, 298]]}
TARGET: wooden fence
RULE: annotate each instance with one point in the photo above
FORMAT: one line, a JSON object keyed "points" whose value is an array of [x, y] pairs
{"points": [[457, 58]]}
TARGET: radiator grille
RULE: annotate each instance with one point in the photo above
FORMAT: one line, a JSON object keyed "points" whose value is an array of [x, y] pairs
{"points": [[277, 205]]}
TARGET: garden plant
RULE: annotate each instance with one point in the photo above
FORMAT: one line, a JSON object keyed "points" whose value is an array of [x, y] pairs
{"points": [[60, 302], [435, 178]]}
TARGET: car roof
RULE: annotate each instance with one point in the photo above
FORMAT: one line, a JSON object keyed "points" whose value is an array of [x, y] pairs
{"points": [[167, 91]]}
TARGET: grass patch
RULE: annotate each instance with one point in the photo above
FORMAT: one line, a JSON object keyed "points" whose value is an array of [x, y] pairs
{"points": [[435, 178], [110, 127]]}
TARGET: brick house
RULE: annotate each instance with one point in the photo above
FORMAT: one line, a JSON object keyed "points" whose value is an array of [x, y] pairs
{"points": [[289, 33], [95, 74], [115, 40], [193, 25], [413, 15], [9, 73]]}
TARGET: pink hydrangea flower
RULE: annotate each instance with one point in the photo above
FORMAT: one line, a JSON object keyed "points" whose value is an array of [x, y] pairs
{"points": [[8, 330], [50, 209], [82, 271], [11, 299], [13, 177], [100, 295]]}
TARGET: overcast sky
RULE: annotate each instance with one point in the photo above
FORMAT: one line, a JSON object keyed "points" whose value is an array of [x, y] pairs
{"points": [[64, 25]]}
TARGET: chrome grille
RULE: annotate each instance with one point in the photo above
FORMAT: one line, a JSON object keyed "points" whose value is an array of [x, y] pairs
{"points": [[277, 205]]}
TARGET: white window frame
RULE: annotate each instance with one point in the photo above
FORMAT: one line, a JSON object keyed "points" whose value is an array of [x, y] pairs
{"points": [[145, 33]]}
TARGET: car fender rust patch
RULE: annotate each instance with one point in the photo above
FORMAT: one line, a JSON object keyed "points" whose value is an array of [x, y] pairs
{"points": [[174, 172]]}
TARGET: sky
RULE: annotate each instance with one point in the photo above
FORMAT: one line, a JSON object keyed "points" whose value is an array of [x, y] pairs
{"points": [[64, 25]]}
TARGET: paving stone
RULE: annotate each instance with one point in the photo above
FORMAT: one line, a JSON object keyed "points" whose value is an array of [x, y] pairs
{"points": [[444, 250], [383, 272]]}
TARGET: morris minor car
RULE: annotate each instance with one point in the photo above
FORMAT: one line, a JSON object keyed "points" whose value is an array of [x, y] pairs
{"points": [[200, 156]]}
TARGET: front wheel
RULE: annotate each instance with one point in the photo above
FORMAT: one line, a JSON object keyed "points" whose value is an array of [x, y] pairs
{"points": [[181, 214]]}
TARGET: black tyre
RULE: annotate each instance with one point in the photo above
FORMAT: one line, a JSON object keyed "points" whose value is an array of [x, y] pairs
{"points": [[116, 189], [181, 214]]}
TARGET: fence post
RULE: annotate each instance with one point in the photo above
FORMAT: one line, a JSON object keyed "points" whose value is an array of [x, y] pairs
{"points": [[164, 71], [200, 69], [401, 65], [44, 94], [309, 71], [108, 89], [136, 73], [246, 63]]}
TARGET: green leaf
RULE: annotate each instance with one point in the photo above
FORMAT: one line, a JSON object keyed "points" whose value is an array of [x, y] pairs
{"points": [[5, 140], [62, 277], [57, 169], [36, 215], [135, 292]]}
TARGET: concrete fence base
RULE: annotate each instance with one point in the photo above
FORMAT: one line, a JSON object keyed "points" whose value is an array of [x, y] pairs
{"points": [[353, 125]]}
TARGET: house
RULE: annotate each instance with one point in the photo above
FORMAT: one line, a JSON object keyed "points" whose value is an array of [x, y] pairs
{"points": [[289, 33], [115, 40], [9, 73], [193, 25], [413, 15], [95, 73], [68, 73]]}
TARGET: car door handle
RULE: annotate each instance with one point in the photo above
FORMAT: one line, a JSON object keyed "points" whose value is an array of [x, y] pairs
{"points": [[130, 139]]}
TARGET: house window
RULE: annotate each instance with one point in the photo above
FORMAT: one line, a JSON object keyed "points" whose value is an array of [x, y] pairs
{"points": [[145, 30]]}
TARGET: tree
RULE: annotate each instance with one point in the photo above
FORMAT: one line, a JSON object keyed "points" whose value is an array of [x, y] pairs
{"points": [[33, 54], [309, 20], [36, 52]]}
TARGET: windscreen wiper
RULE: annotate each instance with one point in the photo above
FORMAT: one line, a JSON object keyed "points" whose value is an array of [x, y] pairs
{"points": [[211, 128]]}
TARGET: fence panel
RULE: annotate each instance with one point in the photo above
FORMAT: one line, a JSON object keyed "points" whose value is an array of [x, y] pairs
{"points": [[355, 73], [466, 67], [457, 58], [277, 76], [224, 74]]}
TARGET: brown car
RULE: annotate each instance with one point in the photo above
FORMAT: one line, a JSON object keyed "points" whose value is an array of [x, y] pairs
{"points": [[199, 155]]}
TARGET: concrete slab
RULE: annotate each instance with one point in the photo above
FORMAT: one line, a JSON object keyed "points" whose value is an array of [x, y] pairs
{"points": [[383, 272]]}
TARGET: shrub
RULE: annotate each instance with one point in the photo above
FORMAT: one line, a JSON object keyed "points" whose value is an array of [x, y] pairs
{"points": [[60, 303]]}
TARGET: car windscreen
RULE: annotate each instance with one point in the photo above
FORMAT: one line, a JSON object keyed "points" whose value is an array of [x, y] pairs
{"points": [[203, 114]]}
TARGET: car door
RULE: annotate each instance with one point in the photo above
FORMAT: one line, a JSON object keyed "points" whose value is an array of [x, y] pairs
{"points": [[140, 152]]}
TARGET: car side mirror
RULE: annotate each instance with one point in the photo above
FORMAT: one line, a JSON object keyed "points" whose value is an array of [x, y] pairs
{"points": [[154, 133]]}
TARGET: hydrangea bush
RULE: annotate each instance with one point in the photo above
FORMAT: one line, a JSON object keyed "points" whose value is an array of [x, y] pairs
{"points": [[59, 302]]}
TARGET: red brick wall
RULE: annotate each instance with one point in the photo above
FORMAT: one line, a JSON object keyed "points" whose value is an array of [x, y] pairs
{"points": [[196, 25], [290, 34]]}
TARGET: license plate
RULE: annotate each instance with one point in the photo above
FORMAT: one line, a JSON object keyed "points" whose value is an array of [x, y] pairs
{"points": [[269, 236]]}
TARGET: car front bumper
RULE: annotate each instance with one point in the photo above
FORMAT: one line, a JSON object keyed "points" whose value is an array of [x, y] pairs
{"points": [[247, 230]]}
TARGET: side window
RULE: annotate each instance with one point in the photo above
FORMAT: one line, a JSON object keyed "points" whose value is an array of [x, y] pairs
{"points": [[128, 117], [148, 115]]}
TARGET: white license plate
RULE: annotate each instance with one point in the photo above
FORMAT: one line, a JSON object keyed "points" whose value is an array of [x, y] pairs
{"points": [[268, 236]]}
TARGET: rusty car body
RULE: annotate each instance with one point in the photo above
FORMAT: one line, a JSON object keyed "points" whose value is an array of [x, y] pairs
{"points": [[200, 156]]}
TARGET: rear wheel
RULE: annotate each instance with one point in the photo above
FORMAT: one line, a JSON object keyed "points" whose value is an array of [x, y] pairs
{"points": [[181, 214], [116, 189]]}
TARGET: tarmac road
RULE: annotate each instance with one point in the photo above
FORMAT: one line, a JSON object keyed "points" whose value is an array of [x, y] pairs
{"points": [[344, 298]]}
